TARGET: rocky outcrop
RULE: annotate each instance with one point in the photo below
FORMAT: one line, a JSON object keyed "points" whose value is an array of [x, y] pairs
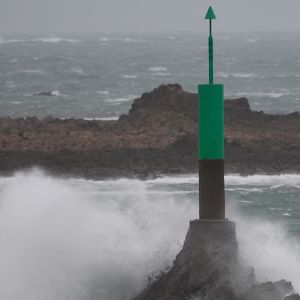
{"points": [[158, 135], [280, 290], [208, 268]]}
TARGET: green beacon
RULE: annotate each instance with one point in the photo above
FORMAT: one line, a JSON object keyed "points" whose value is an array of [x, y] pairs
{"points": [[211, 140]]}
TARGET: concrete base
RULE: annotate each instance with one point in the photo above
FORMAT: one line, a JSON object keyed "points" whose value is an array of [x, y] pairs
{"points": [[210, 233], [206, 268]]}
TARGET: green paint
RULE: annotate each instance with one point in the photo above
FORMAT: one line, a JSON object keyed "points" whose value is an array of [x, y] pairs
{"points": [[210, 14], [211, 59], [210, 121]]}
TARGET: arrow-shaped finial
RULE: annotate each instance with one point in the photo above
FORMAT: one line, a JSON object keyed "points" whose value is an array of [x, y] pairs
{"points": [[210, 15]]}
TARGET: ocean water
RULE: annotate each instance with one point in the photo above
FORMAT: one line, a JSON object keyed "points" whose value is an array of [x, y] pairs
{"points": [[99, 76], [82, 239]]}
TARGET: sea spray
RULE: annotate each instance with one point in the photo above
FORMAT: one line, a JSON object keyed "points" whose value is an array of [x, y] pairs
{"points": [[265, 246], [82, 239], [63, 240]]}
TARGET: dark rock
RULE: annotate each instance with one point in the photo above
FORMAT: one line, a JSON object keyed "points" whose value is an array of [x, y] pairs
{"points": [[269, 291], [46, 93], [157, 136], [238, 104], [292, 297]]}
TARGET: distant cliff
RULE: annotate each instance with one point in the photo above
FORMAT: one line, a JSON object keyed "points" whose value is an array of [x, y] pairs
{"points": [[157, 136]]}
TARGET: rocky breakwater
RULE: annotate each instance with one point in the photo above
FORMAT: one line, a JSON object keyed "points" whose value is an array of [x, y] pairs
{"points": [[208, 268], [157, 136]]}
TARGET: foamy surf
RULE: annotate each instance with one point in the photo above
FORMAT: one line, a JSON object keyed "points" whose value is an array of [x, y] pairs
{"points": [[274, 94], [115, 101], [158, 69], [127, 76], [55, 39], [51, 39], [102, 119], [84, 239], [244, 75], [63, 242], [264, 180]]}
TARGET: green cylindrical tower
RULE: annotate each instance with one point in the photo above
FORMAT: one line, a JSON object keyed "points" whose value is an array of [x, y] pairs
{"points": [[211, 142]]}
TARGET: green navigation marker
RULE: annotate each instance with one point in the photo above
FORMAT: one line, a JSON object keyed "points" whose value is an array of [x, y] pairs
{"points": [[211, 140]]}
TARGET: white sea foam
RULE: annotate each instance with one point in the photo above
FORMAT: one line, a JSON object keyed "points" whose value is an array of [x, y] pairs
{"points": [[158, 69], [244, 190], [244, 75], [2, 41], [286, 214], [180, 179], [27, 71], [51, 39], [55, 93], [246, 202], [263, 94], [60, 242], [132, 40], [265, 246], [263, 180], [236, 182], [120, 100], [102, 119], [127, 76], [161, 74], [103, 92], [54, 39]]}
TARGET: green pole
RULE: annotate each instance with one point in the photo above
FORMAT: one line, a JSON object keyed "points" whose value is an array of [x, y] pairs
{"points": [[211, 16], [211, 54]]}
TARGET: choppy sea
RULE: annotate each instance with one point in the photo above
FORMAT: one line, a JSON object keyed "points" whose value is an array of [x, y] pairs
{"points": [[98, 76], [80, 239]]}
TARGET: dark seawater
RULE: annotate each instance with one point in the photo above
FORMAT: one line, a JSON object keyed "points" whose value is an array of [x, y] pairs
{"points": [[99, 76]]}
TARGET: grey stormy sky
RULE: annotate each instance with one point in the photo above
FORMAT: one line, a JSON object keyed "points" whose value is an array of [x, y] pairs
{"points": [[91, 16]]}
